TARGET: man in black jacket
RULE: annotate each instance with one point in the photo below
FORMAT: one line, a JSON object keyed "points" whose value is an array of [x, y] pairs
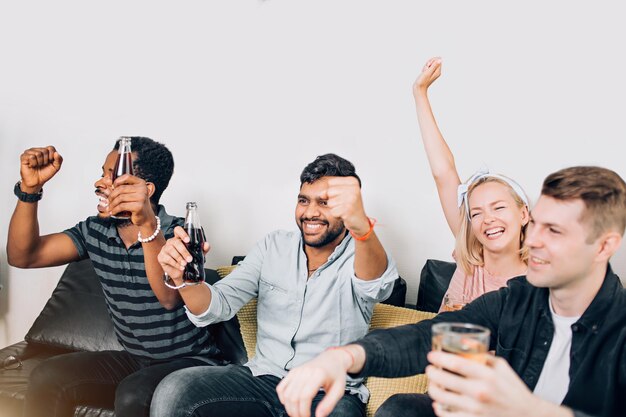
{"points": [[559, 333]]}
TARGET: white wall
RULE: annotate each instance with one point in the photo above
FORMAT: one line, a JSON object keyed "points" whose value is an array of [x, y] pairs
{"points": [[245, 93]]}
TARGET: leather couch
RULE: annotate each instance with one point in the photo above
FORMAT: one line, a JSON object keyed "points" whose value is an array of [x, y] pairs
{"points": [[75, 318]]}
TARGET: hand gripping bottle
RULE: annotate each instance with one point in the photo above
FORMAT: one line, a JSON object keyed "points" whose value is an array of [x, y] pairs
{"points": [[194, 271], [124, 165]]}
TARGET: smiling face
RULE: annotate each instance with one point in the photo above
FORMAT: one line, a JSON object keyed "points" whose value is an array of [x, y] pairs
{"points": [[560, 255], [313, 217], [496, 217], [102, 189]]}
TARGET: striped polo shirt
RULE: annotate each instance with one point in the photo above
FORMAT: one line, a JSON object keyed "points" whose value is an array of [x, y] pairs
{"points": [[142, 325]]}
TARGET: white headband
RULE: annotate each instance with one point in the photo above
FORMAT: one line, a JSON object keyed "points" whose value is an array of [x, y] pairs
{"points": [[461, 193]]}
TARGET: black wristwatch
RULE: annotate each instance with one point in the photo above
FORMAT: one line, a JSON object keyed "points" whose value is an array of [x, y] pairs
{"points": [[25, 197]]}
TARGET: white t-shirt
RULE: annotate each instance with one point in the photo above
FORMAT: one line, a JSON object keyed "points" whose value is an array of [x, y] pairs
{"points": [[554, 379]]}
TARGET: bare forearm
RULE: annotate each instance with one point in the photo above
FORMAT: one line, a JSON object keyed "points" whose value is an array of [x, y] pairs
{"points": [[197, 298], [168, 297], [440, 157], [358, 353], [23, 236], [546, 409], [370, 259], [441, 161]]}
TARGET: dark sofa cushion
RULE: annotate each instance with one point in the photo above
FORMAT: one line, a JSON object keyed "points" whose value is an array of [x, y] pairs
{"points": [[76, 316], [434, 281], [13, 381]]}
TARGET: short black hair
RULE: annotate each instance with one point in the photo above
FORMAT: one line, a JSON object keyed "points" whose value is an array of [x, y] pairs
{"points": [[328, 165], [153, 163]]}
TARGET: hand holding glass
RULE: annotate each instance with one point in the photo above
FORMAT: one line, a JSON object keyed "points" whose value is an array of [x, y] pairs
{"points": [[467, 340]]}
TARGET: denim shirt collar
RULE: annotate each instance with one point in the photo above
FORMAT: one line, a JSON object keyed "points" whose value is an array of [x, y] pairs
{"points": [[338, 252]]}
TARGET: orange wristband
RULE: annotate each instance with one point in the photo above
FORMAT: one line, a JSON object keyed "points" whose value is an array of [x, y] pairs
{"points": [[369, 232], [341, 348]]}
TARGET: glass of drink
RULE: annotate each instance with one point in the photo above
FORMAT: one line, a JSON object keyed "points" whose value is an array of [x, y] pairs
{"points": [[454, 302], [470, 341]]}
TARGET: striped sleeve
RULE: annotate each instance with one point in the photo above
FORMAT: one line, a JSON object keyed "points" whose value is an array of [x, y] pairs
{"points": [[77, 235]]}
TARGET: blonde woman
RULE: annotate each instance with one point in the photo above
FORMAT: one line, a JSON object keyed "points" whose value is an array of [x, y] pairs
{"points": [[487, 214]]}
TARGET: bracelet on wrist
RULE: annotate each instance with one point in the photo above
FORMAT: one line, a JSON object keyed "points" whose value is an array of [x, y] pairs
{"points": [[369, 232], [169, 282], [153, 235]]}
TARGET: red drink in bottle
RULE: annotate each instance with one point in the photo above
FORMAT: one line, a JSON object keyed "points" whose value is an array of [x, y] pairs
{"points": [[123, 165], [194, 270]]}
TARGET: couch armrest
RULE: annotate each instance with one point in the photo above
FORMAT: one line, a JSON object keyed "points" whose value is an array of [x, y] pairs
{"points": [[386, 316]]}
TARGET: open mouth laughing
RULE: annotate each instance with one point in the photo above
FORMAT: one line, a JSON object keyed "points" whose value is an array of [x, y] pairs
{"points": [[103, 201], [494, 232]]}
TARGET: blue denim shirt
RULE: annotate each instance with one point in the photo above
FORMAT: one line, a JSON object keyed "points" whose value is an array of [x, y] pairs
{"points": [[298, 317]]}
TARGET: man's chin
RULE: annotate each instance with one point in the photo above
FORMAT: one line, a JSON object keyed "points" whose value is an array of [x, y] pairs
{"points": [[537, 280], [314, 242]]}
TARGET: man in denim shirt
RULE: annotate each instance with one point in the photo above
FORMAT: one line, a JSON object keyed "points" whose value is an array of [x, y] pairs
{"points": [[559, 333], [316, 288]]}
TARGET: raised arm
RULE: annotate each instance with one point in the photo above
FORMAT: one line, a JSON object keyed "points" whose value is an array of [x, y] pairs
{"points": [[131, 193], [25, 247], [345, 203], [439, 155]]}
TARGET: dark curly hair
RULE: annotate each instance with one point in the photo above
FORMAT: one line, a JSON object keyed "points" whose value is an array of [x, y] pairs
{"points": [[328, 165], [153, 163]]}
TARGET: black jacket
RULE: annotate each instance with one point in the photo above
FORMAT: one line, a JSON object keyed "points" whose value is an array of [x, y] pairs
{"points": [[521, 332]]}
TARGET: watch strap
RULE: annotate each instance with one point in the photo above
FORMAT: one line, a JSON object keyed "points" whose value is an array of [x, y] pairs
{"points": [[26, 197]]}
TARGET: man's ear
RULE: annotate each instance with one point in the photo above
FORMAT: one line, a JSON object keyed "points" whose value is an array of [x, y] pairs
{"points": [[151, 188], [609, 244]]}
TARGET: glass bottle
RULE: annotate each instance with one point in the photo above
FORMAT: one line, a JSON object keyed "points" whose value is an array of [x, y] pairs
{"points": [[194, 270], [123, 165]]}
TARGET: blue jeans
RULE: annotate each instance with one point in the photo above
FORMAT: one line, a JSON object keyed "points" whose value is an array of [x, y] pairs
{"points": [[108, 379], [410, 405], [226, 391]]}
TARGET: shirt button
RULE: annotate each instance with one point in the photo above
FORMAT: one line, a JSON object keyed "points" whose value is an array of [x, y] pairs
{"points": [[545, 343], [575, 328], [594, 328]]}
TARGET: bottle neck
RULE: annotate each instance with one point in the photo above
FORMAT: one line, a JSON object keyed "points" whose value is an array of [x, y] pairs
{"points": [[191, 219], [124, 145]]}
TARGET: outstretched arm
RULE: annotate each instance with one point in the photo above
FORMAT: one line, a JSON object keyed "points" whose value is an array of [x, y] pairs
{"points": [[173, 257], [327, 371], [25, 247], [439, 155]]}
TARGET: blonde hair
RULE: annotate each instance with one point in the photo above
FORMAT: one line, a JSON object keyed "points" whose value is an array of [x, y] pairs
{"points": [[469, 251]]}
